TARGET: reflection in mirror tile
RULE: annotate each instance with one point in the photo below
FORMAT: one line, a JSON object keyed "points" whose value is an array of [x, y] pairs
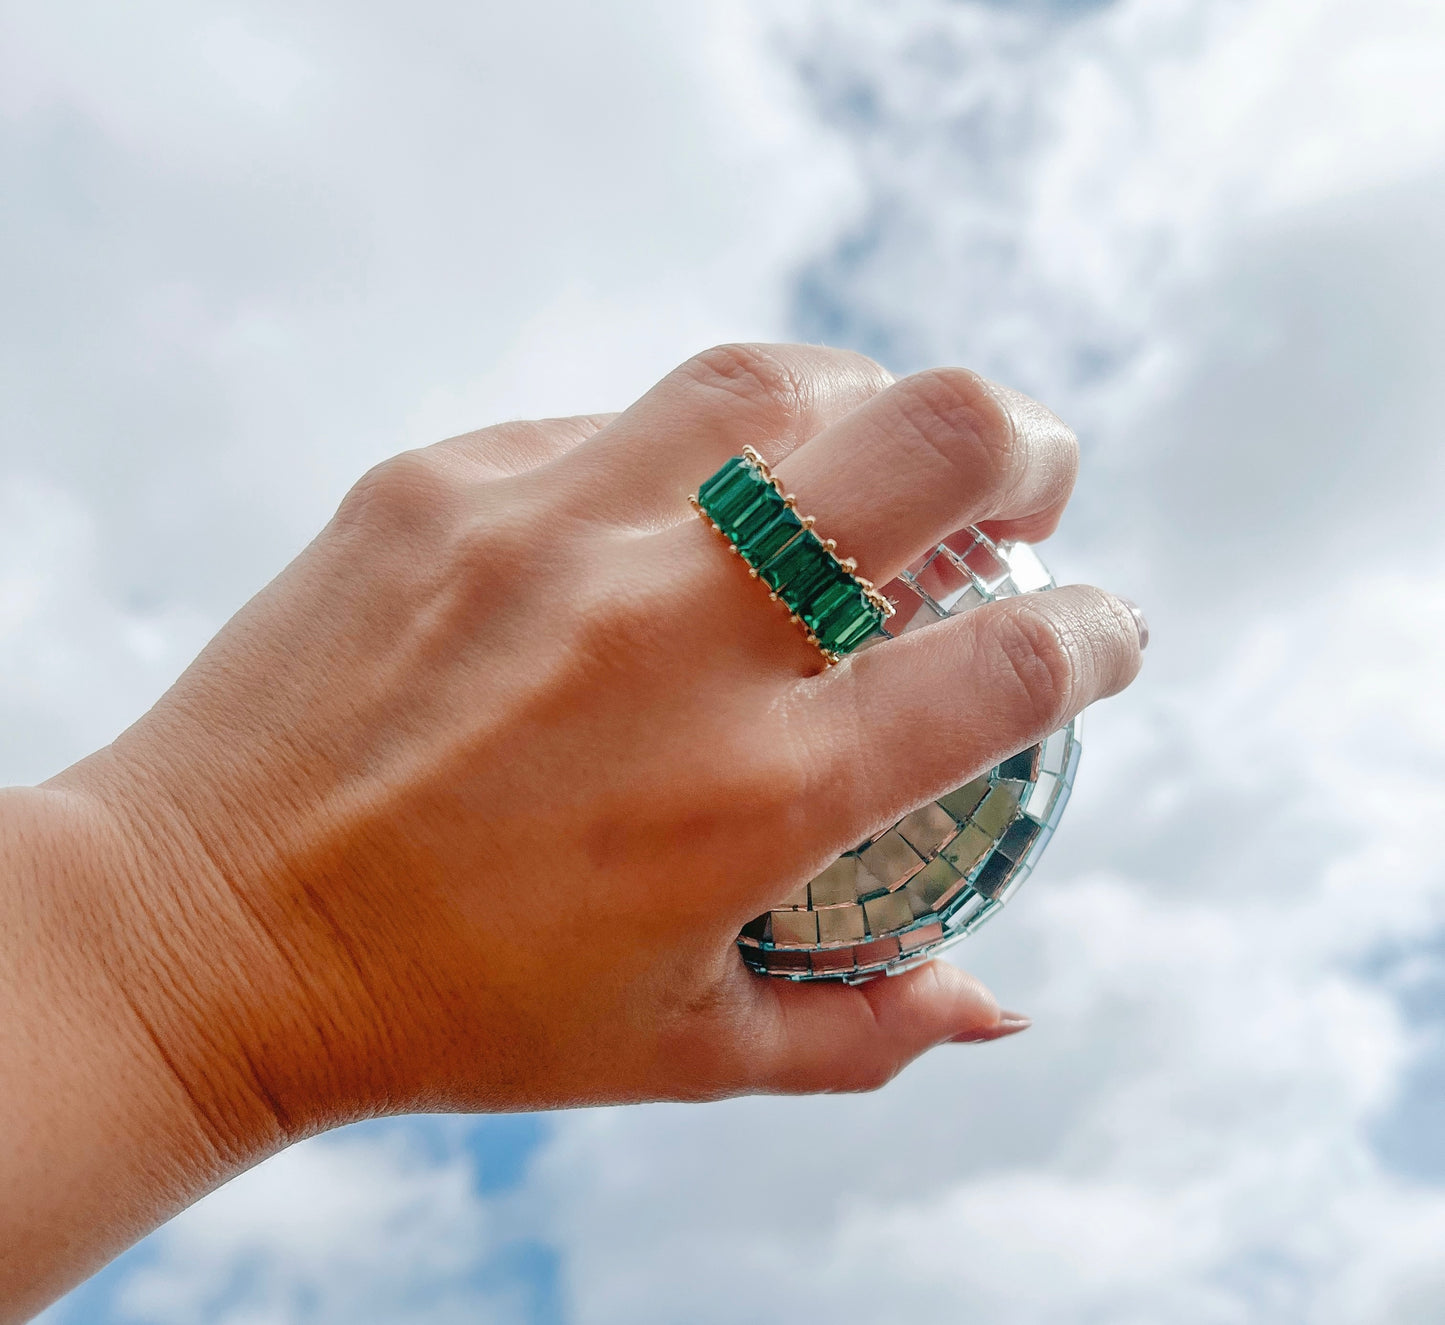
{"points": [[841, 924], [891, 860], [928, 829]]}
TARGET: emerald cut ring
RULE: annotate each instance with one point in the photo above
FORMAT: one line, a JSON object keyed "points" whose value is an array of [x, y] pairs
{"points": [[836, 607]]}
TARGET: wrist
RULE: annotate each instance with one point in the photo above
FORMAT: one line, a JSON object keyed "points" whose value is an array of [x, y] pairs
{"points": [[269, 1017], [100, 1138], [173, 944]]}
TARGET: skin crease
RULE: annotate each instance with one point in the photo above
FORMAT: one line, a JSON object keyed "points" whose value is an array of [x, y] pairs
{"points": [[464, 810]]}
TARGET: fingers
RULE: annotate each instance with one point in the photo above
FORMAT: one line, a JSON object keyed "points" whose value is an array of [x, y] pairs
{"points": [[913, 718], [934, 452], [772, 397], [805, 1038]]}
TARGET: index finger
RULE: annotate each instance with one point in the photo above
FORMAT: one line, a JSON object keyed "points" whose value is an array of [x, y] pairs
{"points": [[914, 718]]}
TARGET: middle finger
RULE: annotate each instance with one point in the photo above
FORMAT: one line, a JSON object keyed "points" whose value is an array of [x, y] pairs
{"points": [[934, 452]]}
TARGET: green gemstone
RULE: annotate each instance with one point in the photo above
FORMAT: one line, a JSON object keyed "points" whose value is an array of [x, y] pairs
{"points": [[840, 624], [841, 616], [844, 639], [828, 580], [738, 500], [732, 476], [841, 596], [801, 570], [844, 632], [779, 568], [792, 561], [771, 534], [756, 525]]}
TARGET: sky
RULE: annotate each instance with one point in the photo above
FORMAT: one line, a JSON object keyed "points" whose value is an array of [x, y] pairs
{"points": [[246, 250]]}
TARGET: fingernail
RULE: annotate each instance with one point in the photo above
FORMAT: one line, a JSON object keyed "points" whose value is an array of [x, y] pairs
{"points": [[1009, 1023], [1141, 623]]}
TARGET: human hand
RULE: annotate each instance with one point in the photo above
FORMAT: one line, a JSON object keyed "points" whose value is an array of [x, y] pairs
{"points": [[465, 810], [478, 793]]}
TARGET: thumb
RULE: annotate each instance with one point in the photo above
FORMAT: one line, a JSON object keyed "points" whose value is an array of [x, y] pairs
{"points": [[836, 1037]]}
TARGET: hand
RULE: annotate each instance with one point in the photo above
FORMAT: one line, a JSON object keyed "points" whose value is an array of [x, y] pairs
{"points": [[465, 810]]}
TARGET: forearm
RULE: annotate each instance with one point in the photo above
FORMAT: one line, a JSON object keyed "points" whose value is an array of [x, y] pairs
{"points": [[98, 1140]]}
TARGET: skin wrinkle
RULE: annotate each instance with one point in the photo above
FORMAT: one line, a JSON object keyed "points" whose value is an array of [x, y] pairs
{"points": [[985, 454], [928, 486], [298, 968], [160, 974], [402, 495], [106, 948], [1035, 648], [288, 1124], [524, 445], [757, 377], [1034, 432], [700, 430], [160, 960]]}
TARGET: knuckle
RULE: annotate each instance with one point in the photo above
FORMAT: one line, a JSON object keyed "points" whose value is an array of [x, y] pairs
{"points": [[406, 491], [503, 445], [752, 374], [486, 550], [953, 412], [1040, 666]]}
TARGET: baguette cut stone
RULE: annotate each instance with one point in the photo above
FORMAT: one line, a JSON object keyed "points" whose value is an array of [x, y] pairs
{"points": [[724, 486], [841, 593], [772, 531], [736, 496], [800, 570], [832, 601], [842, 618], [732, 475]]}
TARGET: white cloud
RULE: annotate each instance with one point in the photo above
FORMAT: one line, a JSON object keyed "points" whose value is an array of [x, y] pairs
{"points": [[254, 248], [1207, 232], [343, 1230], [78, 665], [1185, 1134]]}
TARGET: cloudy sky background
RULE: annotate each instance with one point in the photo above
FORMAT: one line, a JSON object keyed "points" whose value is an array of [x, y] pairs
{"points": [[246, 250]]}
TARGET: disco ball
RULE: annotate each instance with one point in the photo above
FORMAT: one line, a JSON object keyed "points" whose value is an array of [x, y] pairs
{"points": [[940, 872]]}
